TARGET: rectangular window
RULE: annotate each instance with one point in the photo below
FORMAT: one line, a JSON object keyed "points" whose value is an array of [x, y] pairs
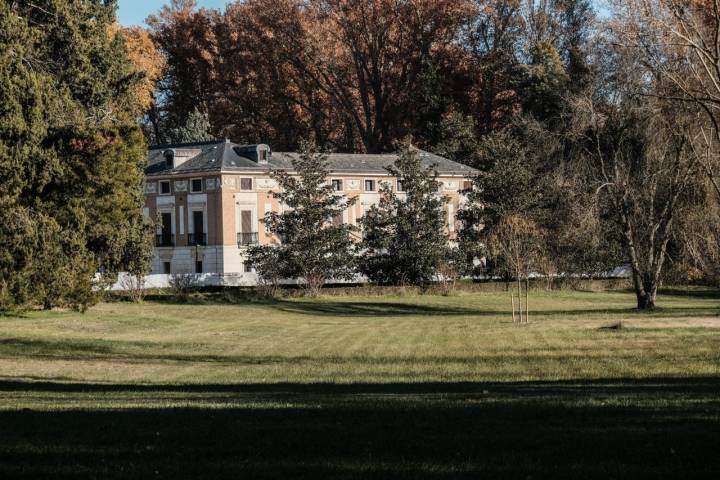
{"points": [[247, 234], [400, 186], [165, 187], [165, 238], [467, 185], [337, 184], [196, 185], [369, 185], [198, 267], [246, 184], [166, 223], [197, 237], [246, 221], [166, 268], [247, 267]]}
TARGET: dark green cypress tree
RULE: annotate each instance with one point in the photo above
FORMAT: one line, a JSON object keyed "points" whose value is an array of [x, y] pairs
{"points": [[71, 151], [314, 248], [196, 129], [404, 235]]}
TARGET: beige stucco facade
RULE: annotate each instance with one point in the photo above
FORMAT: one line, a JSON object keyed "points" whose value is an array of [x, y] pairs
{"points": [[207, 220]]}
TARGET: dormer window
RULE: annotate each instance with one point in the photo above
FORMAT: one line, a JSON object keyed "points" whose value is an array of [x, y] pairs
{"points": [[169, 158], [258, 153]]}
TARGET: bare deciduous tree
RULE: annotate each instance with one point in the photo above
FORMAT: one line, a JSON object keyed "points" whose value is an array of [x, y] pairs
{"points": [[134, 286], [642, 163], [678, 42], [518, 241]]}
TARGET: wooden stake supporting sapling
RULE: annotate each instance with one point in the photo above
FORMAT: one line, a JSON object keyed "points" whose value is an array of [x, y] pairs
{"points": [[527, 298]]}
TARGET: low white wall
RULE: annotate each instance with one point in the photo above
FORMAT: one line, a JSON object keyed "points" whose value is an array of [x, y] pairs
{"points": [[159, 280]]}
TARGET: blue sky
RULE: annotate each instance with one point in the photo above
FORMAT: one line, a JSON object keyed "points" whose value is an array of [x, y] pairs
{"points": [[134, 12]]}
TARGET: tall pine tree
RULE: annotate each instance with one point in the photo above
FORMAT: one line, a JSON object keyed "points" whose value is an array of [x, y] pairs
{"points": [[404, 234], [315, 247]]}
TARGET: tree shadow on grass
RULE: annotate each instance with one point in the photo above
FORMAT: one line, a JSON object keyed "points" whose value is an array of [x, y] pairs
{"points": [[700, 293], [653, 428], [371, 309], [83, 351], [392, 309]]}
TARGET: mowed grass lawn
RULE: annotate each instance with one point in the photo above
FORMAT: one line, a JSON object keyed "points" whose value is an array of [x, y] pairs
{"points": [[365, 387]]}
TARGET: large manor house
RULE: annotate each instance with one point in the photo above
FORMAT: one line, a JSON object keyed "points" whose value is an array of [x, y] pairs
{"points": [[211, 199]]}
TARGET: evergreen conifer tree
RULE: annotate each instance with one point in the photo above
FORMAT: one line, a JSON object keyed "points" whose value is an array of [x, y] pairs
{"points": [[196, 129], [71, 151], [405, 239], [315, 244]]}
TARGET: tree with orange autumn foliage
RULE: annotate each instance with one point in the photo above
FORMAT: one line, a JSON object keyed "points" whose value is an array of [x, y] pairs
{"points": [[188, 41], [357, 75], [148, 64]]}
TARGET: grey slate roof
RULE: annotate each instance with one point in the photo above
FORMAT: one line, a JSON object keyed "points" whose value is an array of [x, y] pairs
{"points": [[220, 156]]}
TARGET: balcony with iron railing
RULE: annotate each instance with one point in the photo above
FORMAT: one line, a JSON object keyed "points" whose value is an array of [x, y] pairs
{"points": [[197, 239], [247, 238], [164, 240]]}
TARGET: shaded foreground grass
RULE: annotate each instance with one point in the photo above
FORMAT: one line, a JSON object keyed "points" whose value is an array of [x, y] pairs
{"points": [[399, 387], [621, 429]]}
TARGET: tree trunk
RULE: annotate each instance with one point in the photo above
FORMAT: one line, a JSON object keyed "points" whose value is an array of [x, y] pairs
{"points": [[527, 299], [512, 299], [519, 285], [647, 293], [645, 300]]}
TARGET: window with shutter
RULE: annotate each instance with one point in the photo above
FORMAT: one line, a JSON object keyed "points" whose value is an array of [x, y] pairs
{"points": [[246, 221]]}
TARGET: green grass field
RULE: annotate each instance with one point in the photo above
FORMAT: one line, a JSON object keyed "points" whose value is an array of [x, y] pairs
{"points": [[365, 387]]}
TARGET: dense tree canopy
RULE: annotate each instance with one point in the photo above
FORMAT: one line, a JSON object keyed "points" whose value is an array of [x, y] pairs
{"points": [[71, 151], [544, 98], [360, 75]]}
